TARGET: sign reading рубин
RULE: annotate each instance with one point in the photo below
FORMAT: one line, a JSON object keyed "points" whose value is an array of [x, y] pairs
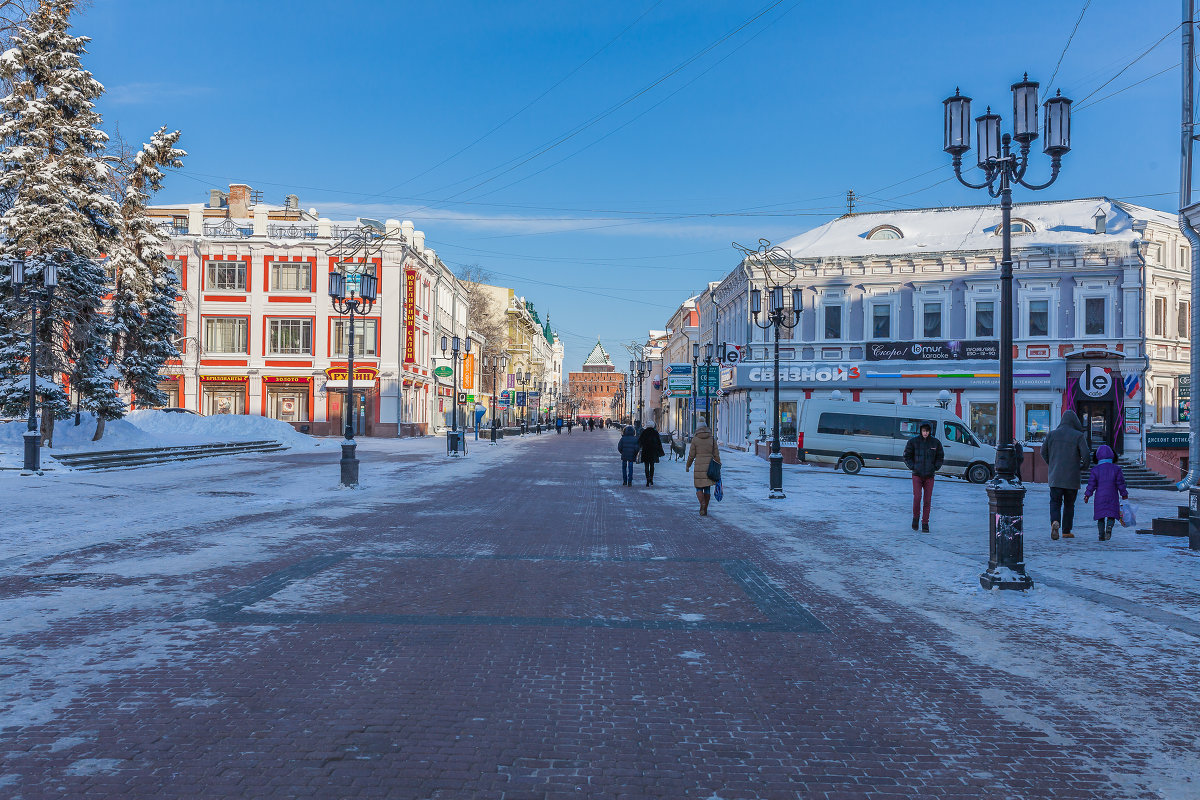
{"points": [[983, 350]]}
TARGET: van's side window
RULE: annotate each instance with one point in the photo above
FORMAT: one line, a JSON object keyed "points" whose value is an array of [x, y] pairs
{"points": [[912, 427], [856, 425], [957, 433]]}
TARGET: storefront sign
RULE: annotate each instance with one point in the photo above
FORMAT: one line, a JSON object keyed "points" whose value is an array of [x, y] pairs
{"points": [[288, 379], [1133, 427], [520, 399], [468, 376], [225, 378], [365, 374], [1184, 394], [1037, 351], [932, 351], [896, 375], [825, 373], [443, 372], [728, 377], [462, 398], [410, 316], [1133, 413], [1167, 440], [1095, 382], [732, 354]]}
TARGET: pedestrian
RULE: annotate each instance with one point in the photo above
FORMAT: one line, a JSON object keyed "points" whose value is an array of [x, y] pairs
{"points": [[637, 427], [703, 450], [1065, 451], [558, 423], [923, 455], [652, 450], [1106, 482], [570, 423], [627, 446]]}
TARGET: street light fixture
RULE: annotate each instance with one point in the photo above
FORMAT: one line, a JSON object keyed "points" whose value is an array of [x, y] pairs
{"points": [[458, 441], [780, 316], [695, 379], [33, 450], [495, 362], [352, 292], [1001, 168]]}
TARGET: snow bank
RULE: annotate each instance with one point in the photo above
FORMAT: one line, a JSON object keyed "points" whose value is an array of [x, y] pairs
{"points": [[218, 428], [119, 434]]}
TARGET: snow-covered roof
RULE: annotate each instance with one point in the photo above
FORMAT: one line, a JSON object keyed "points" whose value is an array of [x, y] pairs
{"points": [[1062, 222], [598, 358]]}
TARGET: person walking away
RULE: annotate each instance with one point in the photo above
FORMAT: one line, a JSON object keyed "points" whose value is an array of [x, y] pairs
{"points": [[652, 450], [1065, 451], [627, 446], [923, 455], [703, 450], [1107, 483], [570, 422], [558, 423]]}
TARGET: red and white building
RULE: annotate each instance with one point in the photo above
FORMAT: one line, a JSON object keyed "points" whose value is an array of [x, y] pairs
{"points": [[259, 334]]}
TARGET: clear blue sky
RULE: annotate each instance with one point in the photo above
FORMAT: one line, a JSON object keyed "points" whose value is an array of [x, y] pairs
{"points": [[354, 106]]}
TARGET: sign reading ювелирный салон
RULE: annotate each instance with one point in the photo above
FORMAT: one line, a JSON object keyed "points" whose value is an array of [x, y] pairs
{"points": [[983, 350]]}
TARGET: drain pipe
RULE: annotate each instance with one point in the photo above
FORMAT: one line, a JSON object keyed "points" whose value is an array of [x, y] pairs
{"points": [[1187, 219]]}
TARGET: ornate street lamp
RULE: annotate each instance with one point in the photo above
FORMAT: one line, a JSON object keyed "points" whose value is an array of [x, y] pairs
{"points": [[780, 316], [1001, 168], [456, 345], [641, 376], [695, 380], [352, 292], [495, 362], [33, 450]]}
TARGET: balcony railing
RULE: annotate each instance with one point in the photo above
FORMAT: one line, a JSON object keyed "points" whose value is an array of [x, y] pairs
{"points": [[171, 229], [292, 231], [229, 229]]}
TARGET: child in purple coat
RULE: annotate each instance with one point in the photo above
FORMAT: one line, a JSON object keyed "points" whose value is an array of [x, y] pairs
{"points": [[1107, 482]]}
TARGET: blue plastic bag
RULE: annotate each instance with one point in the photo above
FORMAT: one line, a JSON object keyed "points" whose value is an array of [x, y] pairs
{"points": [[717, 491], [1128, 514]]}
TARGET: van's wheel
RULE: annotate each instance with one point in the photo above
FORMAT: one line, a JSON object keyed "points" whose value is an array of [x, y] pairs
{"points": [[852, 465], [979, 473]]}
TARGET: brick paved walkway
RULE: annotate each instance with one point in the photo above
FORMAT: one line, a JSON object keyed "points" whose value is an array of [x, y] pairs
{"points": [[539, 631]]}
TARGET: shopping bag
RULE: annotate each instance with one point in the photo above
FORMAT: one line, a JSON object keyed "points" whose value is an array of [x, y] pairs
{"points": [[1128, 514], [717, 491]]}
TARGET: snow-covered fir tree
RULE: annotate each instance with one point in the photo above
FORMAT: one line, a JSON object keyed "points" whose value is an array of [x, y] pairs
{"points": [[145, 323], [53, 170]]}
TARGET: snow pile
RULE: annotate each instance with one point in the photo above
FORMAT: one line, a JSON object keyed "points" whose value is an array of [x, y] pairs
{"points": [[218, 428], [119, 434]]}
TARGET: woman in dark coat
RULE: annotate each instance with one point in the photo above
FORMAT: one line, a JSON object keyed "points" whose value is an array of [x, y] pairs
{"points": [[652, 450], [1107, 482], [628, 448]]}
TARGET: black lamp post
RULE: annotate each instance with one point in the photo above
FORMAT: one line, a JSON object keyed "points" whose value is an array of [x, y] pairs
{"points": [[362, 283], [708, 361], [523, 379], [695, 380], [1001, 168], [780, 316], [495, 362], [641, 379], [33, 449], [456, 346]]}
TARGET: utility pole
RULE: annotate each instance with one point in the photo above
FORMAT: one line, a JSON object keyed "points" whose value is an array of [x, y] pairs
{"points": [[850, 198]]}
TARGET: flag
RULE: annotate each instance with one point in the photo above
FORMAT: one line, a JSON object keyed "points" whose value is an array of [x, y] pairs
{"points": [[1132, 384]]}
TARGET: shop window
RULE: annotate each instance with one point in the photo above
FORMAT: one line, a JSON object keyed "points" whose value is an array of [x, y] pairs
{"points": [[226, 335], [1160, 316], [931, 324], [289, 337], [881, 321], [1039, 318], [787, 421], [1037, 421], [1184, 325], [1093, 316], [288, 402], [365, 335], [833, 322], [226, 276], [983, 419], [291, 276], [985, 318], [223, 398]]}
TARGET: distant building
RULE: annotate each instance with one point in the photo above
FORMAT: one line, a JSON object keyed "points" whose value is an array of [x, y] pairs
{"points": [[597, 386]]}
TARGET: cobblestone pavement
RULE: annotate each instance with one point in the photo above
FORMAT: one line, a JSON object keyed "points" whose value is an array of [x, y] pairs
{"points": [[537, 630]]}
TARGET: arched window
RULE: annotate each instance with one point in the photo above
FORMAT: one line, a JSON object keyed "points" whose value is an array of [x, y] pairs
{"points": [[884, 233], [1018, 226]]}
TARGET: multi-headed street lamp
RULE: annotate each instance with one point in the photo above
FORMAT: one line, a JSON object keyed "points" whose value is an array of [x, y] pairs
{"points": [[641, 377], [496, 362], [780, 316], [695, 382], [707, 362], [352, 292], [523, 379], [1001, 168], [33, 449], [456, 346]]}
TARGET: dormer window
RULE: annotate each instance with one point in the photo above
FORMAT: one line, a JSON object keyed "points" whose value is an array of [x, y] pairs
{"points": [[885, 233], [1020, 226]]}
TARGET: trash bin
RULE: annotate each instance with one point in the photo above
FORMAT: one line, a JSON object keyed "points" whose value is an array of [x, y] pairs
{"points": [[454, 441]]}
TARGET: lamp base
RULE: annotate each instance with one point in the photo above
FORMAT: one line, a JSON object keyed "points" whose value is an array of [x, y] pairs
{"points": [[349, 464], [776, 462], [1006, 536], [33, 452]]}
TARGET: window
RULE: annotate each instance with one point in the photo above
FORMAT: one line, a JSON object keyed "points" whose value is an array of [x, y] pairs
{"points": [[226, 275], [1037, 421], [957, 433], [881, 321], [225, 335], [1093, 316], [833, 322], [179, 225], [1183, 259], [855, 425], [985, 318], [289, 337], [1020, 226], [1039, 317], [1160, 316], [885, 233], [1162, 409], [908, 428], [1184, 324], [787, 421], [983, 421], [931, 326], [365, 331], [291, 276]]}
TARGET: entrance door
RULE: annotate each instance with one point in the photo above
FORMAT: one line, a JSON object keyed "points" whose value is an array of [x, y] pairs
{"points": [[363, 417], [1098, 420]]}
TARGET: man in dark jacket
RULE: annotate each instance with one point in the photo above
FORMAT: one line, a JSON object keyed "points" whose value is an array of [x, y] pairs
{"points": [[628, 448], [1065, 451], [923, 455], [650, 444]]}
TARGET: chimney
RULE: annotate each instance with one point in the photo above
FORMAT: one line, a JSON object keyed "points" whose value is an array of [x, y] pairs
{"points": [[239, 200], [406, 229], [216, 198], [419, 241]]}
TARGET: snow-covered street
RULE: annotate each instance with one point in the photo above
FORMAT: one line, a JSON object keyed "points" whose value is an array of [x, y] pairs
{"points": [[517, 623]]}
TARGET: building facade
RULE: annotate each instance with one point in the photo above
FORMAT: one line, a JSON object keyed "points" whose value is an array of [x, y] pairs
{"points": [[898, 307], [259, 334], [598, 388]]}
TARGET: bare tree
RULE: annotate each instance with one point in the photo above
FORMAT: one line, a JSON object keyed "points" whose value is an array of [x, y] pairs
{"points": [[483, 316]]}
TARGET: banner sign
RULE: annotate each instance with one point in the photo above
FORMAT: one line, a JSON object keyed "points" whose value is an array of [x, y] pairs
{"points": [[512, 381], [1167, 440], [367, 374], [224, 378], [520, 399], [468, 376], [410, 316], [679, 380], [933, 351], [709, 378], [288, 379]]}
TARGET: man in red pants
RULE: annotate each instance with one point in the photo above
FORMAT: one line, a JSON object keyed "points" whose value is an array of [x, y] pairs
{"points": [[923, 455]]}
